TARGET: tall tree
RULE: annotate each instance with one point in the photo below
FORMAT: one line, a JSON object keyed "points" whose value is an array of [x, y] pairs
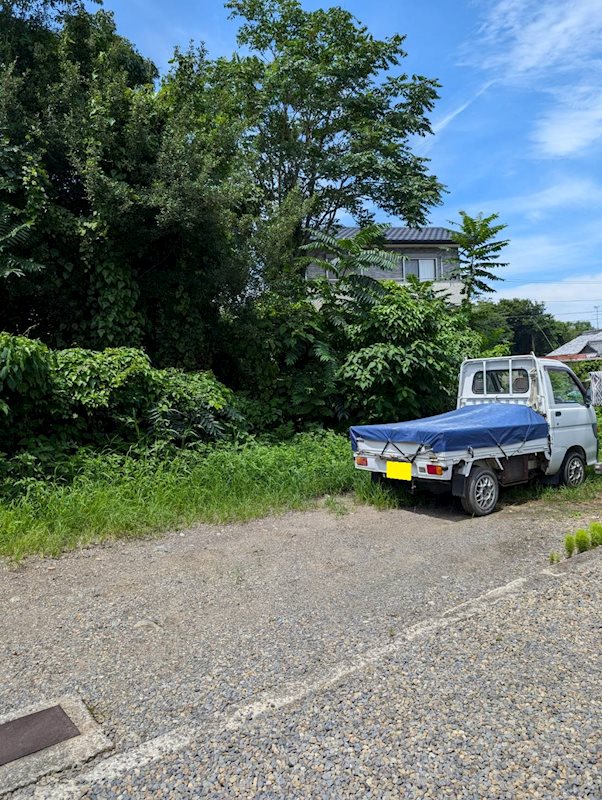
{"points": [[523, 325], [127, 192], [330, 114], [477, 256]]}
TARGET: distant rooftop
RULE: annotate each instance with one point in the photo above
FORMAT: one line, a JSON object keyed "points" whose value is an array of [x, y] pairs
{"points": [[420, 235], [592, 340]]}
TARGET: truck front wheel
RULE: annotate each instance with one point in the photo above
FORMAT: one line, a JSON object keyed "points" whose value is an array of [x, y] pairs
{"points": [[572, 472], [482, 492]]}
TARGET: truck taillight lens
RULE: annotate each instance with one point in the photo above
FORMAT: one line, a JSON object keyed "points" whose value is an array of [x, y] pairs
{"points": [[361, 461], [434, 469]]}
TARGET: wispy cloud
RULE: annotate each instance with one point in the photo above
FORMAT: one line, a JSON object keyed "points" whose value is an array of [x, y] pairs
{"points": [[572, 126], [531, 36], [440, 124], [555, 47], [567, 193], [573, 298]]}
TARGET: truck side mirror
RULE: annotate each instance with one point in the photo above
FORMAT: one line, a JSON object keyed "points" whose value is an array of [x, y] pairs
{"points": [[588, 396]]}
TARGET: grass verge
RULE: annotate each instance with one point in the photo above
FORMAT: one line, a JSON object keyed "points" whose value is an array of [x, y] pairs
{"points": [[122, 497]]}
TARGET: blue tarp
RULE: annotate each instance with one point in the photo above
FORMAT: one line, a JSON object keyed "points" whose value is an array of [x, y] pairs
{"points": [[485, 425]]}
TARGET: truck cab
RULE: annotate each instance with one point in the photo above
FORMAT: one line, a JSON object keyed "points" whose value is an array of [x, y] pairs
{"points": [[549, 388]]}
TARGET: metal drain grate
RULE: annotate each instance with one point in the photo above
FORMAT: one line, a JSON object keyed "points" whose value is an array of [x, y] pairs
{"points": [[34, 732]]}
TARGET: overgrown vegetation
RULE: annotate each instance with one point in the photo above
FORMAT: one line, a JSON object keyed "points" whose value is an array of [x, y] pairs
{"points": [[98, 496], [155, 235], [55, 401]]}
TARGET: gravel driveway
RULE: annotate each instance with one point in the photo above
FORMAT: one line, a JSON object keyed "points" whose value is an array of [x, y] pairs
{"points": [[315, 655]]}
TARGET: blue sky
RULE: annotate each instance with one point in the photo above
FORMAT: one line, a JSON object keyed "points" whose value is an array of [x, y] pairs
{"points": [[518, 128]]}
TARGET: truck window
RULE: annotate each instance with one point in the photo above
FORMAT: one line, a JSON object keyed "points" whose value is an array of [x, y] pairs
{"points": [[564, 387], [498, 381]]}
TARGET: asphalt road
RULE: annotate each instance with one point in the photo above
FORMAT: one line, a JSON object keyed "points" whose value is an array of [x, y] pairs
{"points": [[320, 655]]}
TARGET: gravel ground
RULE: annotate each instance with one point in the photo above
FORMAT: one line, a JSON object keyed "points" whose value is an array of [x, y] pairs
{"points": [[504, 705], [158, 634]]}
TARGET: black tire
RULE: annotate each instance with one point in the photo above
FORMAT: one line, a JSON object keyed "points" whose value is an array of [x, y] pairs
{"points": [[482, 492], [572, 472]]}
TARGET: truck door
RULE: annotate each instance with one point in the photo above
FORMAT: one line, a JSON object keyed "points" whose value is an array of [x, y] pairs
{"points": [[571, 419]]}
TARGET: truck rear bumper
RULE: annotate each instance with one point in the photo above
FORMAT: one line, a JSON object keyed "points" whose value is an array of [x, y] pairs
{"points": [[418, 468]]}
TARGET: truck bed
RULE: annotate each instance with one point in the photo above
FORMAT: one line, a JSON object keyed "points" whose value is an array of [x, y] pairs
{"points": [[497, 426]]}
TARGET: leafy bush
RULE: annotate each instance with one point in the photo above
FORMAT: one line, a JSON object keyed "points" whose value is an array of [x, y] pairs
{"points": [[582, 369], [405, 351], [24, 374], [55, 401], [361, 350], [192, 407], [569, 545]]}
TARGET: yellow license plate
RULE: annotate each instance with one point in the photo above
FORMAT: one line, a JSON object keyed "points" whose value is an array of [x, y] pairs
{"points": [[400, 470]]}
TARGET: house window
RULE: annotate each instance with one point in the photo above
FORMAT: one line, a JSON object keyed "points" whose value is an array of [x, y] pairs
{"points": [[425, 269]]}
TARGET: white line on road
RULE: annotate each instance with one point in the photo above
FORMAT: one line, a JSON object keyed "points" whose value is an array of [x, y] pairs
{"points": [[155, 749]]}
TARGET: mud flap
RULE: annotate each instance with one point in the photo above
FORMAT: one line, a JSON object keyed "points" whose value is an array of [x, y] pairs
{"points": [[459, 485]]}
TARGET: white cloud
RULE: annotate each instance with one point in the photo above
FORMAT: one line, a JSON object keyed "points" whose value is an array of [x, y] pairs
{"points": [[570, 127], [531, 36], [566, 193], [554, 47], [572, 299]]}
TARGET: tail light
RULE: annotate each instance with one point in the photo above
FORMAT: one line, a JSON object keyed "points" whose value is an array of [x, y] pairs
{"points": [[434, 469], [361, 461]]}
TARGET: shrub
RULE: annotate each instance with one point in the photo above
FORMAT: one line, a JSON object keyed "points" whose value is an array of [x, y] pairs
{"points": [[24, 372], [554, 557], [25, 376], [192, 407], [582, 540], [56, 401], [103, 392], [595, 532], [569, 544]]}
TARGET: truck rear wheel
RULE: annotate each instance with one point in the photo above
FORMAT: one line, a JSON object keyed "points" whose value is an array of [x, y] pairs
{"points": [[572, 472], [482, 492]]}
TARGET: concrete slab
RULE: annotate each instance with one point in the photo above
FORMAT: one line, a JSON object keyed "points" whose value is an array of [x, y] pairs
{"points": [[69, 753]]}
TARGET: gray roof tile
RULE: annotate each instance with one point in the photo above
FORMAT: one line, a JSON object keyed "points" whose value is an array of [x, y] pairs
{"points": [[393, 234], [577, 344]]}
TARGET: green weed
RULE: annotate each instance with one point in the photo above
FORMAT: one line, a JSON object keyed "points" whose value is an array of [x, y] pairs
{"points": [[569, 544], [582, 540], [336, 506], [590, 490], [554, 557], [113, 497], [595, 532]]}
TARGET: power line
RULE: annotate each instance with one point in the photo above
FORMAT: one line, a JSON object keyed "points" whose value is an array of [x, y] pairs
{"points": [[553, 300], [560, 282]]}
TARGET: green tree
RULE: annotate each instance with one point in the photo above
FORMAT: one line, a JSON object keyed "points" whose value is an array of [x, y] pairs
{"points": [[329, 114], [477, 256], [355, 348], [130, 190], [523, 326]]}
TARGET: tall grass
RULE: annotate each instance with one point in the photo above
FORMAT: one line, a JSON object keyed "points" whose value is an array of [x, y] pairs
{"points": [[120, 497]]}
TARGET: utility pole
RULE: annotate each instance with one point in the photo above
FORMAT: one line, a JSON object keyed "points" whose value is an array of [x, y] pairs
{"points": [[597, 309]]}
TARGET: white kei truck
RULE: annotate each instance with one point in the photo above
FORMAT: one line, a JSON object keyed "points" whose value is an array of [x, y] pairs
{"points": [[517, 418]]}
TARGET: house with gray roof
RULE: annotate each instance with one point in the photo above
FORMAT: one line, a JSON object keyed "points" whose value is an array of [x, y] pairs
{"points": [[586, 346], [426, 253]]}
